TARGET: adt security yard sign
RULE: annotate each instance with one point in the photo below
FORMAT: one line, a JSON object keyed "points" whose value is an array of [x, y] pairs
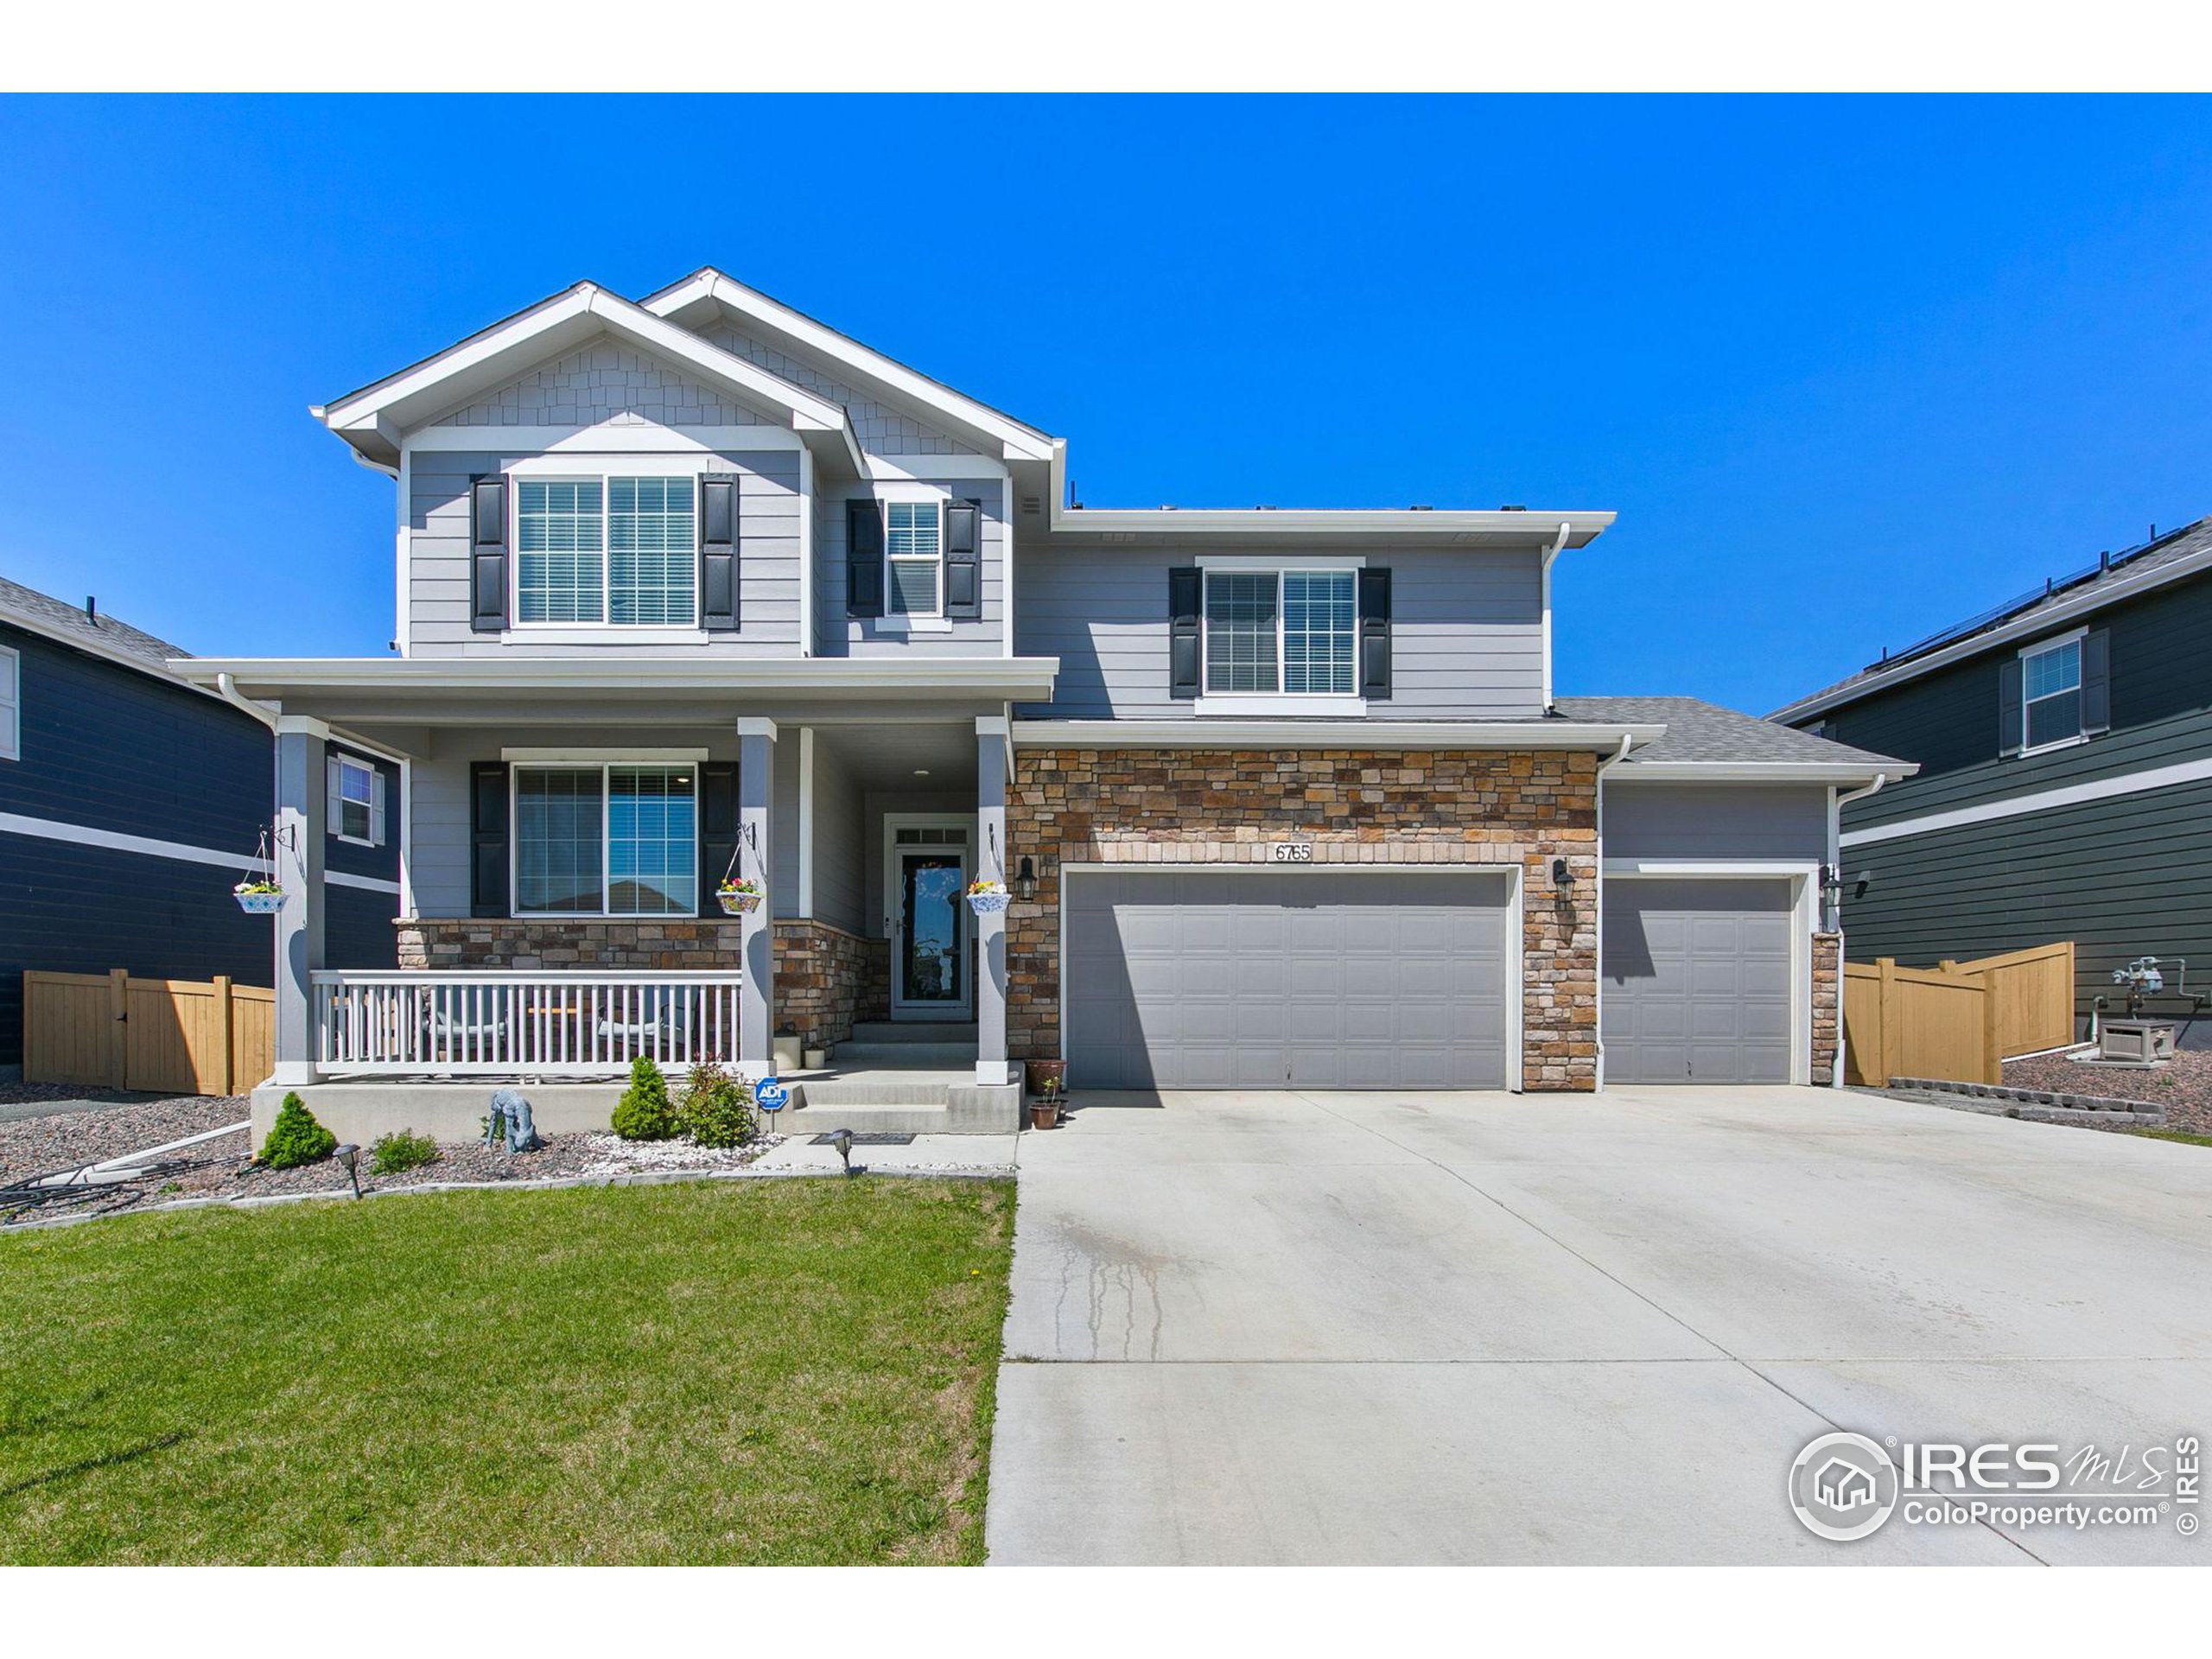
{"points": [[770, 1096]]}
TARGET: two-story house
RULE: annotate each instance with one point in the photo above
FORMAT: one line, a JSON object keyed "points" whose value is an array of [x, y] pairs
{"points": [[129, 803], [2064, 742], [695, 587]]}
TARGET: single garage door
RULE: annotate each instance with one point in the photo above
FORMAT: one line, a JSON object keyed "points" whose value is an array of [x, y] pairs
{"points": [[1696, 981], [1336, 979]]}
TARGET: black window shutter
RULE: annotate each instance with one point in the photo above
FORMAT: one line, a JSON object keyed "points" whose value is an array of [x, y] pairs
{"points": [[1185, 587], [718, 552], [963, 559], [487, 553], [1375, 634], [2096, 682], [2009, 738], [864, 559], [717, 830], [487, 835]]}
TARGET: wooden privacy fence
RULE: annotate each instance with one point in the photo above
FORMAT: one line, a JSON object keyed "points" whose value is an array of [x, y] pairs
{"points": [[173, 1036], [1959, 1021]]}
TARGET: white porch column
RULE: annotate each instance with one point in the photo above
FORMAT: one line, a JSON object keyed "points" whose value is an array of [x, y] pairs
{"points": [[756, 1003], [992, 736], [301, 793]]}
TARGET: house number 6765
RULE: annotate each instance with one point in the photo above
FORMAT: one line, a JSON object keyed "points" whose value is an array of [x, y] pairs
{"points": [[1294, 852]]}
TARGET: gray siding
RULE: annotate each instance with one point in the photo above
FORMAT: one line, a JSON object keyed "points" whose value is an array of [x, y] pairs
{"points": [[1466, 633], [881, 428], [1716, 821], [839, 635], [840, 843], [604, 382], [769, 507]]}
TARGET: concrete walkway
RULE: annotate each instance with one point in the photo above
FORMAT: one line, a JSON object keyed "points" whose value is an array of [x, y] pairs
{"points": [[1276, 1327]]}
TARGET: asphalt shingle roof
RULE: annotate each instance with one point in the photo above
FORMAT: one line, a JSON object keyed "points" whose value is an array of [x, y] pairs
{"points": [[1700, 731], [68, 623]]}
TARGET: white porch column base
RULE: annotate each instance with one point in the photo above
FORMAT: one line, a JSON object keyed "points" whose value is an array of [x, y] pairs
{"points": [[992, 734], [756, 1000], [298, 855]]}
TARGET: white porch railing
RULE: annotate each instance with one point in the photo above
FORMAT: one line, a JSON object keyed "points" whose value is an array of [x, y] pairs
{"points": [[491, 1023]]}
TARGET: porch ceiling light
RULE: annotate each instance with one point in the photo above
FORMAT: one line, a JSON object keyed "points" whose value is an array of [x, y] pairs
{"points": [[1025, 878], [921, 772]]}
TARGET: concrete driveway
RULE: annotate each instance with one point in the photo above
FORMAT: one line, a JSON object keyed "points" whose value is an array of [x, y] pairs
{"points": [[1280, 1327]]}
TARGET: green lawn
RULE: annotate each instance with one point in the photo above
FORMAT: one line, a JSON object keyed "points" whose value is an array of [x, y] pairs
{"points": [[786, 1371], [2185, 1136]]}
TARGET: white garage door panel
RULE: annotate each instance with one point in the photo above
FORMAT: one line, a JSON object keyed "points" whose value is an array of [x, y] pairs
{"points": [[1321, 978], [1697, 981]]}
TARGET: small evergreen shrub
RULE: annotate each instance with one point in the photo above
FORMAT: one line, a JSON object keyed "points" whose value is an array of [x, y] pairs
{"points": [[402, 1150], [296, 1138], [643, 1112], [717, 1108]]}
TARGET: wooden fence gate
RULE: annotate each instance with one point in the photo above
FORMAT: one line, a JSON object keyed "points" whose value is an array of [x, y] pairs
{"points": [[171, 1036], [1959, 1021]]}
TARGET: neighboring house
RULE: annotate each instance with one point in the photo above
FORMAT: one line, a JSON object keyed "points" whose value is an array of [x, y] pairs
{"points": [[2064, 742], [129, 805], [696, 586]]}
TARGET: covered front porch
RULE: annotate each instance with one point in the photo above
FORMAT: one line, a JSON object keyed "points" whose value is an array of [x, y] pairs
{"points": [[560, 859]]}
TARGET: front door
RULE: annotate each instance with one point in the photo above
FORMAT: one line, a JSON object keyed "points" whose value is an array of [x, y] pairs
{"points": [[930, 933]]}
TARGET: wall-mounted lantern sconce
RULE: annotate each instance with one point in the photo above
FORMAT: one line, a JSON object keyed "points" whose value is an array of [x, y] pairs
{"points": [[1831, 885], [1025, 878], [1562, 874]]}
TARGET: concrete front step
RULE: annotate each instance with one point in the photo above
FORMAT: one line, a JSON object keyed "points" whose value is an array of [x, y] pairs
{"points": [[912, 1031], [902, 1101], [947, 1056]]}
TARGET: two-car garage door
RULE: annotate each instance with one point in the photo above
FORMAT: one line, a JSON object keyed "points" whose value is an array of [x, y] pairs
{"points": [[1263, 978]]}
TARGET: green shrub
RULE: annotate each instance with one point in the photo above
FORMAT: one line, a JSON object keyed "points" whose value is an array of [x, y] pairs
{"points": [[402, 1150], [643, 1112], [717, 1108], [296, 1138]]}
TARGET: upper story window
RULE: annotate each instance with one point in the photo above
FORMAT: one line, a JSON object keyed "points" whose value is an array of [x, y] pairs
{"points": [[617, 550], [2051, 693], [12, 704], [913, 548], [605, 841], [356, 801], [1292, 632]]}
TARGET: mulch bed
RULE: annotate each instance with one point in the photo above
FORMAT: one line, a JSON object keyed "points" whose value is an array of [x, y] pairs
{"points": [[2183, 1090]]}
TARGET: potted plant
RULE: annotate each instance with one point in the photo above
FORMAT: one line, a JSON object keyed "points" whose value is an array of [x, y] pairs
{"points": [[740, 895], [985, 895], [1044, 1110], [257, 897]]}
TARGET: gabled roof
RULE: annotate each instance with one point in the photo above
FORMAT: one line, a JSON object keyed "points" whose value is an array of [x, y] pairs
{"points": [[2060, 600], [374, 418], [705, 292], [102, 636], [1703, 740]]}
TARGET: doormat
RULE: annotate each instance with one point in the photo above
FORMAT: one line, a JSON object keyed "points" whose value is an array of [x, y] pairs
{"points": [[874, 1139]]}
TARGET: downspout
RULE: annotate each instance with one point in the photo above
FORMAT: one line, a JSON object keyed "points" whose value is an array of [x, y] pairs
{"points": [[1836, 803], [1599, 884], [1544, 597], [228, 690]]}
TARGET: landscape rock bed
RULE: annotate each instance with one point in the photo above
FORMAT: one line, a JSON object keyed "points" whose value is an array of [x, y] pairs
{"points": [[2182, 1090], [44, 1145]]}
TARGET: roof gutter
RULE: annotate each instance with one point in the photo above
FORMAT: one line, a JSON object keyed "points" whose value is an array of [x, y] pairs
{"points": [[227, 689]]}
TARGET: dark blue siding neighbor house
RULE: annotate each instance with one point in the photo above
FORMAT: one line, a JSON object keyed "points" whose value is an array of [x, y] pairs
{"points": [[130, 803], [2065, 787]]}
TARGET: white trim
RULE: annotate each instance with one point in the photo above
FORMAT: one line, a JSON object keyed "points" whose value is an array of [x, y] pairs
{"points": [[1491, 531], [46, 628], [526, 634], [805, 822], [2036, 647], [366, 883], [340, 762], [606, 437], [807, 505], [2093, 598], [1310, 705], [1024, 679], [1329, 734], [1759, 772], [1805, 880], [912, 621], [756, 726], [403, 627], [1515, 922], [910, 495], [924, 1013], [2058, 743], [569, 756], [1260, 564], [2079, 690], [11, 700], [2041, 800], [967, 469]]}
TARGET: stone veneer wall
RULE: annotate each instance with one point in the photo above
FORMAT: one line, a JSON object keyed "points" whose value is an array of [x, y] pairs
{"points": [[827, 978], [1826, 987], [1415, 806]]}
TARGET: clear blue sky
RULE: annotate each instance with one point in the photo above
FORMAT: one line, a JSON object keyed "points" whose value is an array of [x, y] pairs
{"points": [[1847, 370]]}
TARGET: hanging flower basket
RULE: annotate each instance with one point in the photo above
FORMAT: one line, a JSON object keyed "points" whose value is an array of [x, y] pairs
{"points": [[739, 898], [985, 896], [258, 898]]}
